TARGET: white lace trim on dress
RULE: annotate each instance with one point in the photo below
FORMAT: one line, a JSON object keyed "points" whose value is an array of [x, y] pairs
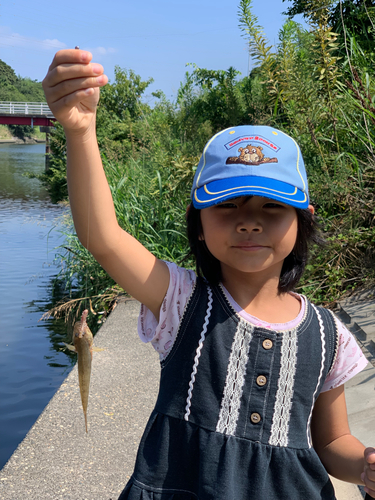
{"points": [[285, 389], [323, 340], [230, 404], [198, 354]]}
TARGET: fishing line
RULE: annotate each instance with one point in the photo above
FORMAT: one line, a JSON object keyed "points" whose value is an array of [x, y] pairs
{"points": [[88, 231], [87, 240]]}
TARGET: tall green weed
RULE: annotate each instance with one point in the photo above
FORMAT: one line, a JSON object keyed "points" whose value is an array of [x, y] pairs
{"points": [[150, 203], [315, 85]]}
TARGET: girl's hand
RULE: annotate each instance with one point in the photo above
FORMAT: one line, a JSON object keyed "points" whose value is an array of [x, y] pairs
{"points": [[71, 87], [368, 476]]}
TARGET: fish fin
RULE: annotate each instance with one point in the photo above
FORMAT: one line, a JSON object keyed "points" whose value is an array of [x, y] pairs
{"points": [[98, 349], [70, 347]]}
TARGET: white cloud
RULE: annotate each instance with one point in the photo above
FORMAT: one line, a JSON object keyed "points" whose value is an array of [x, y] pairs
{"points": [[100, 51], [10, 39], [54, 43]]}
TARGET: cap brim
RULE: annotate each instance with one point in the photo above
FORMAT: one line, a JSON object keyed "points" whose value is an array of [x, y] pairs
{"points": [[218, 191]]}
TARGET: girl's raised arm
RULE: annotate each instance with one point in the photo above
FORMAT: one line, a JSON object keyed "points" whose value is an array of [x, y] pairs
{"points": [[72, 91]]}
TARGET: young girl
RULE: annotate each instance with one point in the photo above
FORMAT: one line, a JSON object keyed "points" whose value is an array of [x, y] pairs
{"points": [[251, 402]]}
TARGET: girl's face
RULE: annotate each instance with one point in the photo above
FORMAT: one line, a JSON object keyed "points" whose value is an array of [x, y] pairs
{"points": [[250, 234]]}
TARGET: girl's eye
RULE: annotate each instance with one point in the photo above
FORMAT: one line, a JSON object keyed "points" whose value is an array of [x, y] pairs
{"points": [[227, 205], [273, 205]]}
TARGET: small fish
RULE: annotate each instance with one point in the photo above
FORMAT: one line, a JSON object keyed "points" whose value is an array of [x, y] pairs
{"points": [[83, 346]]}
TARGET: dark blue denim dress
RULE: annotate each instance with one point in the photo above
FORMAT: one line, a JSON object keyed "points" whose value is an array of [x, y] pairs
{"points": [[232, 419]]}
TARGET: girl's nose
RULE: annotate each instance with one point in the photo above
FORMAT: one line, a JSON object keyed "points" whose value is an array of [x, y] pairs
{"points": [[249, 218], [248, 226]]}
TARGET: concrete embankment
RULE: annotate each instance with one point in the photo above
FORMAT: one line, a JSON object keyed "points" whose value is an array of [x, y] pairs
{"points": [[58, 460], [10, 141], [20, 141]]}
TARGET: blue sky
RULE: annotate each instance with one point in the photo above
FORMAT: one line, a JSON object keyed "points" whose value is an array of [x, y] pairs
{"points": [[154, 38]]}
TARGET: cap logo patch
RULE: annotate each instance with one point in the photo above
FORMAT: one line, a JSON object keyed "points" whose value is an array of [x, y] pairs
{"points": [[250, 155], [252, 138]]}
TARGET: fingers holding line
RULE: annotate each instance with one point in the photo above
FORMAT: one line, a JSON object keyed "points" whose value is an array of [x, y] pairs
{"points": [[69, 72], [70, 64], [70, 56], [72, 71], [73, 85]]}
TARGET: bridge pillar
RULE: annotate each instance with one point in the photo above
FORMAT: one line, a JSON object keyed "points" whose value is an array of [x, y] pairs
{"points": [[47, 131]]}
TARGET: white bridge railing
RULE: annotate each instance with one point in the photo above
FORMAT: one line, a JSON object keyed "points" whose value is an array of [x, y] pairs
{"points": [[25, 108]]}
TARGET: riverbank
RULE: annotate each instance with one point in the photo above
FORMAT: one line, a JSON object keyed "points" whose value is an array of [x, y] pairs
{"points": [[16, 140], [59, 460], [7, 137]]}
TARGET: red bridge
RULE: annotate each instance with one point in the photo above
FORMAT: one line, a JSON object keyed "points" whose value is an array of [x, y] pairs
{"points": [[26, 113]]}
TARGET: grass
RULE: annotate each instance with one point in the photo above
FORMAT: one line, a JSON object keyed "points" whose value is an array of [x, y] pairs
{"points": [[151, 206], [5, 132]]}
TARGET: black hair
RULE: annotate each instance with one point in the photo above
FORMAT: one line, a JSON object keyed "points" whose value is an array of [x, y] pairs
{"points": [[208, 266]]}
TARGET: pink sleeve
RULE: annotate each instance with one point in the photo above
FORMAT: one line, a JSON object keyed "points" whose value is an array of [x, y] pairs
{"points": [[162, 334], [349, 360]]}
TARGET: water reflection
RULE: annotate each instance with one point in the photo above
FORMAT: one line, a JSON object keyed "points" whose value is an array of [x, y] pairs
{"points": [[58, 329], [16, 161]]}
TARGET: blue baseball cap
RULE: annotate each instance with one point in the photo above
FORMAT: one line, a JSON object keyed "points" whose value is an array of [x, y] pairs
{"points": [[250, 160]]}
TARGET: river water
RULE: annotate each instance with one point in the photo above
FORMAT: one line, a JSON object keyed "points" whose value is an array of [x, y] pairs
{"points": [[32, 366]]}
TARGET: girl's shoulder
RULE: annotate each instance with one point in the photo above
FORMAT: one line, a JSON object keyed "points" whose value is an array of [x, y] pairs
{"points": [[349, 359], [162, 332]]}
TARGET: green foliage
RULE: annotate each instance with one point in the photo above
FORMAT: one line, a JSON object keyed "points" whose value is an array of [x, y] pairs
{"points": [[211, 96], [54, 179], [150, 204], [7, 74], [81, 282], [122, 98], [320, 91], [259, 49], [17, 89], [355, 18], [317, 85], [31, 90]]}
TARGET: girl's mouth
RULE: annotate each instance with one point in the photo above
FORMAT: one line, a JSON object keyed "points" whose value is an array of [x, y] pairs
{"points": [[249, 247]]}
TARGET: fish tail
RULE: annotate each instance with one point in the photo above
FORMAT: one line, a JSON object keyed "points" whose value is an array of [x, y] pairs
{"points": [[85, 420]]}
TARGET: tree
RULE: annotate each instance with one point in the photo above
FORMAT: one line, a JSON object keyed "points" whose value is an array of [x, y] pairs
{"points": [[18, 89], [212, 96], [8, 80], [357, 17], [31, 90], [122, 98], [7, 74]]}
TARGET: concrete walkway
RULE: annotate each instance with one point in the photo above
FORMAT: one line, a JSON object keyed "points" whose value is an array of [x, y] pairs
{"points": [[58, 460], [358, 314]]}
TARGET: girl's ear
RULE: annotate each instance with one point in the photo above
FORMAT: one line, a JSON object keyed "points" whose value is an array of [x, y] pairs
{"points": [[311, 209]]}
